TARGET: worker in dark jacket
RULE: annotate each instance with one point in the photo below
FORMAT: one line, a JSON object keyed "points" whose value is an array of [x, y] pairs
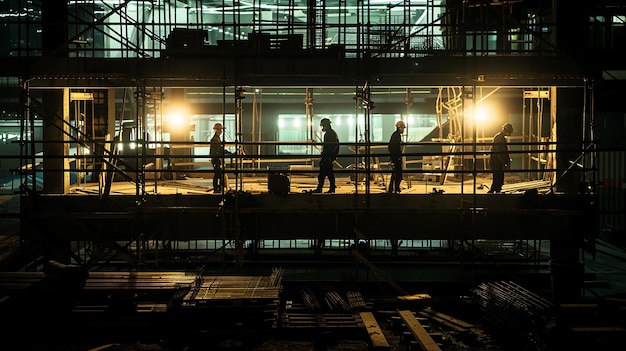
{"points": [[395, 156], [330, 150], [217, 154], [499, 160]]}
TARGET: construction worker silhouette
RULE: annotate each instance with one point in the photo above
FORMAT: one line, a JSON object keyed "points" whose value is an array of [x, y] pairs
{"points": [[499, 160], [395, 156], [330, 150], [217, 155]]}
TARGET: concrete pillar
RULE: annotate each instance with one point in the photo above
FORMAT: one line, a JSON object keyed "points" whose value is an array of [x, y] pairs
{"points": [[567, 271]]}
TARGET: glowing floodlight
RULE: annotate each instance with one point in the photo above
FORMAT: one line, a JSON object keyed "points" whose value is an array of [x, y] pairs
{"points": [[177, 120], [480, 115]]}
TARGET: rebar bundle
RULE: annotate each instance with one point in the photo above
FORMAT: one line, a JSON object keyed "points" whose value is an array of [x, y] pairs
{"points": [[515, 311]]}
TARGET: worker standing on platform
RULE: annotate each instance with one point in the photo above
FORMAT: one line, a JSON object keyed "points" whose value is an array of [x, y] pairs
{"points": [[217, 154], [395, 156], [330, 150], [499, 160]]}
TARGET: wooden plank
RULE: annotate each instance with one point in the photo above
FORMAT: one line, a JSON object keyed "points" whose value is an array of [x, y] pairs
{"points": [[419, 333], [447, 318], [377, 338], [612, 330], [442, 321], [535, 184], [320, 321]]}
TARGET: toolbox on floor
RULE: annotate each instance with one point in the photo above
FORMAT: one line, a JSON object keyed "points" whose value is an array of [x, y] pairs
{"points": [[278, 182]]}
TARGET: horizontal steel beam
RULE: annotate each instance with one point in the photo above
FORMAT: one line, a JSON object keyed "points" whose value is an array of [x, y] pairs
{"points": [[309, 216]]}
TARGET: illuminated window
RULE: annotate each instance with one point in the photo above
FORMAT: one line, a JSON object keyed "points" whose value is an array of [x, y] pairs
{"points": [[292, 128]]}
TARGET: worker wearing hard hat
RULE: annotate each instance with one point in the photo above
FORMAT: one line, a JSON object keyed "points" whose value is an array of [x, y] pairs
{"points": [[499, 160], [330, 150], [217, 154], [395, 156]]}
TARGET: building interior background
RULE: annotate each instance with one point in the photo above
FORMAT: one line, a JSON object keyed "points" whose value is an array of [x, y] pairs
{"points": [[111, 219]]}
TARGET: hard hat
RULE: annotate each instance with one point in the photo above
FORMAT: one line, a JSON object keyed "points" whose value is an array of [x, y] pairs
{"points": [[217, 126], [400, 124], [325, 121], [507, 127]]}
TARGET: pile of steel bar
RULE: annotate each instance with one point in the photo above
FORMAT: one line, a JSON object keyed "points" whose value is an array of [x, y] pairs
{"points": [[276, 279], [355, 300], [239, 288], [138, 280], [309, 298], [334, 301], [321, 320], [516, 311]]}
